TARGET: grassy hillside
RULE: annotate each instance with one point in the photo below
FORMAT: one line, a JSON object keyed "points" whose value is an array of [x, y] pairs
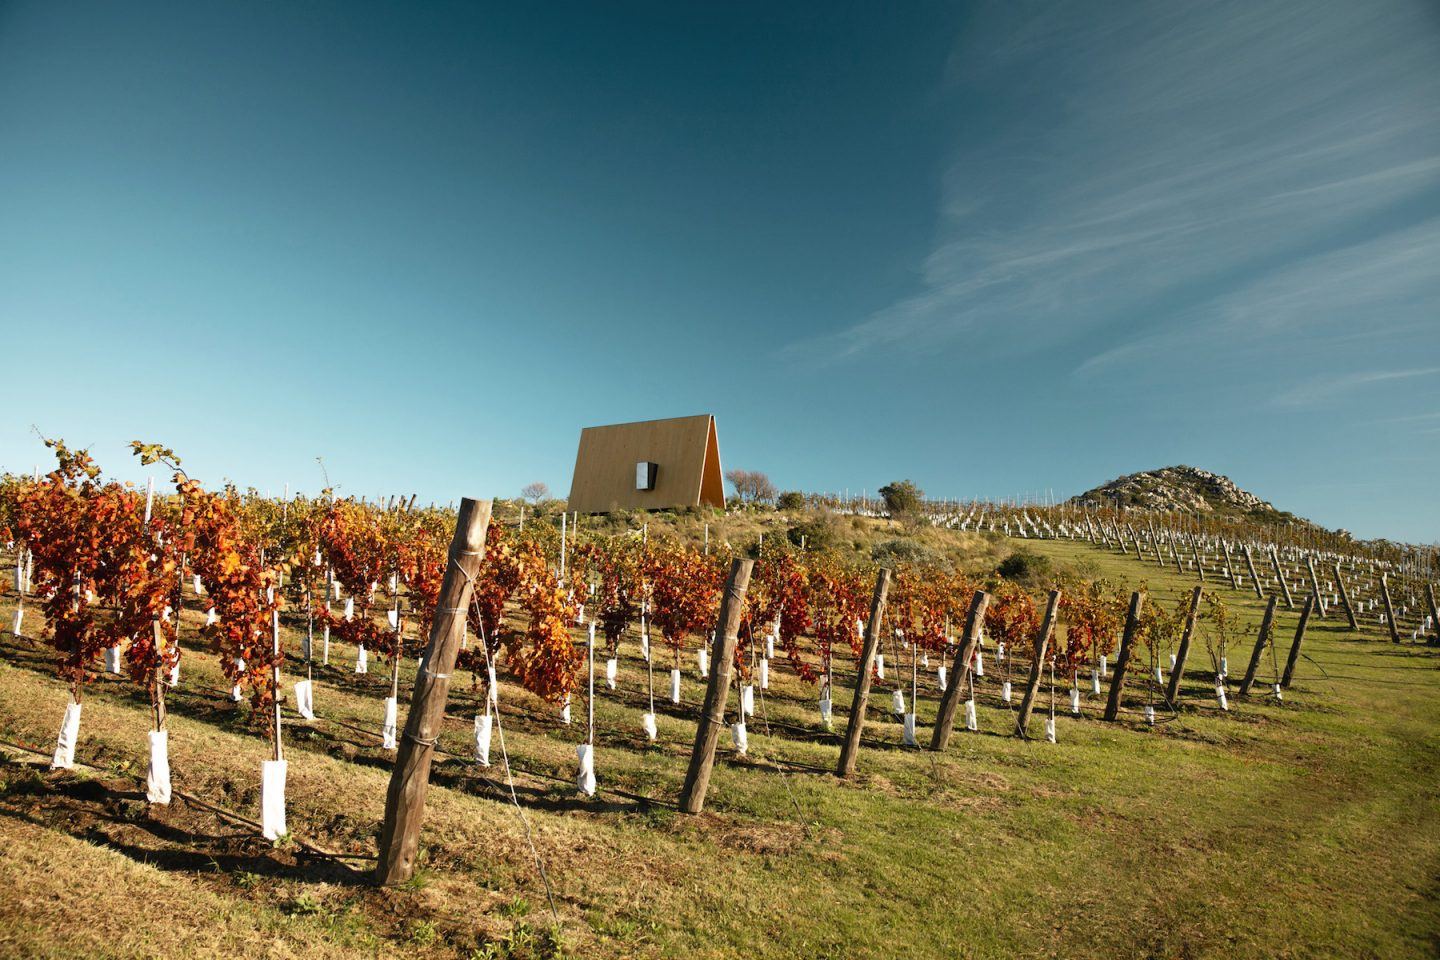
{"points": [[1308, 828]]}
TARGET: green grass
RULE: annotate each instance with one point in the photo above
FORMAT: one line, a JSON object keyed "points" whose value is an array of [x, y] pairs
{"points": [[1308, 828]]}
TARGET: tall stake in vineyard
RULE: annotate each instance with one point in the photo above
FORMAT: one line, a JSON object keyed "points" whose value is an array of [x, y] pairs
{"points": [[105, 569], [360, 553], [243, 592], [1217, 641], [542, 658], [1012, 621], [837, 604], [684, 591], [616, 598]]}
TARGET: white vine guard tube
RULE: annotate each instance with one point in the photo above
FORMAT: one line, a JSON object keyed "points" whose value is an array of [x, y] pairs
{"points": [[272, 798], [157, 776], [388, 733], [484, 726], [64, 757]]}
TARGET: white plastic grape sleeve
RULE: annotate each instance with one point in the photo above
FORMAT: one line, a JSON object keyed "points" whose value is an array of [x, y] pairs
{"points": [[157, 776], [387, 734], [305, 699], [64, 757], [272, 799], [484, 727], [585, 775]]}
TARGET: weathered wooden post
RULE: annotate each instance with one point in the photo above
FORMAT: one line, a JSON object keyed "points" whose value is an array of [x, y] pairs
{"points": [[1345, 599], [1254, 577], [1172, 691], [1122, 662], [1280, 575], [157, 682], [1260, 642], [1230, 567], [1042, 646], [1299, 638], [1434, 611], [846, 766], [1389, 608], [1199, 563], [410, 778], [954, 690], [722, 665], [1315, 586]]}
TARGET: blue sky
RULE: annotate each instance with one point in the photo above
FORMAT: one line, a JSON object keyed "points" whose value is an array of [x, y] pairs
{"points": [[996, 248]]}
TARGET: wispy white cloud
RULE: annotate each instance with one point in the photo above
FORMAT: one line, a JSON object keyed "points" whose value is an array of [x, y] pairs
{"points": [[1322, 389], [1157, 165], [1386, 283], [1413, 418]]}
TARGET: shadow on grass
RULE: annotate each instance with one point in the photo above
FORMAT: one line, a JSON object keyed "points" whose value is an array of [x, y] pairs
{"points": [[116, 816]]}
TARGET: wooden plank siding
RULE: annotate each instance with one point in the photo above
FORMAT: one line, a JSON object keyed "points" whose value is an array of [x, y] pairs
{"points": [[685, 449]]}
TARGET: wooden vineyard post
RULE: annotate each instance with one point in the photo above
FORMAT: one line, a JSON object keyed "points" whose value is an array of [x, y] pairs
{"points": [[1280, 575], [1230, 568], [1259, 646], [1254, 577], [1434, 611], [1315, 586], [846, 767], [945, 717], [1122, 662], [410, 778], [1299, 638], [717, 691], [1389, 608], [1345, 599], [1199, 563], [158, 638], [1172, 691], [1042, 646]]}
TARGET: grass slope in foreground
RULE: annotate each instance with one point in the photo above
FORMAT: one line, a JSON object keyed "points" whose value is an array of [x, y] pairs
{"points": [[1305, 829]]}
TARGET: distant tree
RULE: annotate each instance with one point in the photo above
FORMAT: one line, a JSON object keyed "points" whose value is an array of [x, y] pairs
{"points": [[535, 492], [751, 485], [791, 500], [902, 497]]}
